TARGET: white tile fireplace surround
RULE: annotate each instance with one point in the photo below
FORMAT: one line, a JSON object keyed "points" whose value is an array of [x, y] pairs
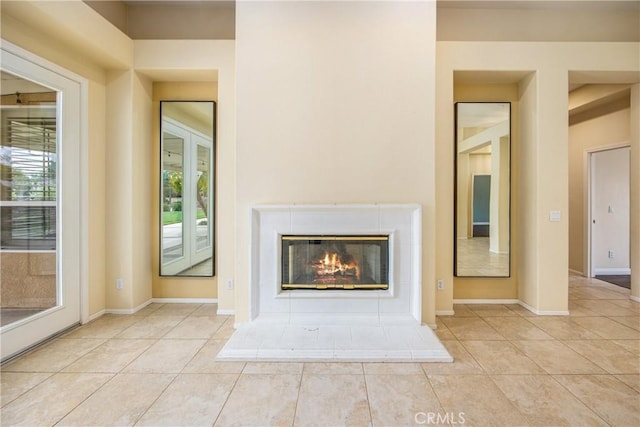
{"points": [[336, 324]]}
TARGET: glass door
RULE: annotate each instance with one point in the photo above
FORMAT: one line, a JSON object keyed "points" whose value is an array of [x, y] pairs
{"points": [[39, 203], [174, 234]]}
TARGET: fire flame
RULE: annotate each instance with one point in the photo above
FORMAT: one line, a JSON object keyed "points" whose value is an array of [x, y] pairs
{"points": [[332, 265]]}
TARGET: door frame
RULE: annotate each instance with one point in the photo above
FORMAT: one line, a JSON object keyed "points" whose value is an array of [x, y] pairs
{"points": [[83, 167], [588, 200]]}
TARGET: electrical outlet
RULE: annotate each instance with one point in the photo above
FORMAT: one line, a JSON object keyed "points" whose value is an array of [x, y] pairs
{"points": [[611, 254], [440, 285], [119, 284], [229, 284]]}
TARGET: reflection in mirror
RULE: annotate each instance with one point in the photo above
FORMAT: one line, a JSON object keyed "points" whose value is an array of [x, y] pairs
{"points": [[482, 164], [186, 188]]}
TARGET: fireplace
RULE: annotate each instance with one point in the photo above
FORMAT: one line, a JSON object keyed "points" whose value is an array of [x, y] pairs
{"points": [[380, 243], [391, 232], [335, 262]]}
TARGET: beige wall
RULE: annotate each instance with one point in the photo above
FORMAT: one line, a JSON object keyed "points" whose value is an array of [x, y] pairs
{"points": [[80, 38], [339, 116], [97, 197], [354, 90], [635, 191], [608, 130], [171, 63], [54, 49], [527, 225], [119, 191], [141, 204], [541, 72], [121, 139]]}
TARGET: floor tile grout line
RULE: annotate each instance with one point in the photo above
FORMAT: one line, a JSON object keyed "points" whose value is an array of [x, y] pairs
{"points": [[517, 349], [511, 402], [595, 362], [226, 400], [4, 404], [194, 356], [484, 370], [435, 393], [295, 409], [620, 323], [571, 349], [578, 397], [366, 392], [549, 375], [156, 340], [86, 398], [175, 376]]}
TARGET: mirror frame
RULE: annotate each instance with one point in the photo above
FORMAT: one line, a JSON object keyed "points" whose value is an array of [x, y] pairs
{"points": [[211, 185], [455, 191]]}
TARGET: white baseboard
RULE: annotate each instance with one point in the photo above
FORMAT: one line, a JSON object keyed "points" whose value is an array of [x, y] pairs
{"points": [[160, 301], [512, 301], [577, 273], [544, 312], [119, 311], [184, 300], [94, 316], [127, 310], [445, 312], [222, 312], [634, 298], [622, 271], [486, 301]]}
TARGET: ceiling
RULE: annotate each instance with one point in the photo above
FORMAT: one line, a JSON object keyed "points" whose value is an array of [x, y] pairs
{"points": [[481, 114], [617, 20], [540, 4]]}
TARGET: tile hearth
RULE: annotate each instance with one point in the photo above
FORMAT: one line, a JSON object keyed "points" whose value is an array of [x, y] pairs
{"points": [[269, 341]]}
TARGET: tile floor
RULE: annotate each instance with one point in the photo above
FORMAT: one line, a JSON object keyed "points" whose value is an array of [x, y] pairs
{"points": [[511, 368], [475, 259]]}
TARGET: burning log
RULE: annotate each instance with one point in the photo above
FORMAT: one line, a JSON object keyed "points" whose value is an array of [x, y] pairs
{"points": [[332, 264]]}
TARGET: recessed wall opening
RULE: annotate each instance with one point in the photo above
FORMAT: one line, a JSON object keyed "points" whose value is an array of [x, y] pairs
{"points": [[335, 262]]}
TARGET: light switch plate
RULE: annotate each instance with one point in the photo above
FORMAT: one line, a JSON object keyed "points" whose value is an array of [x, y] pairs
{"points": [[554, 216]]}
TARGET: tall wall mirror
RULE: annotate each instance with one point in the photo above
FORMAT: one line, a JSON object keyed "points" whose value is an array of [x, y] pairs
{"points": [[482, 199], [187, 141]]}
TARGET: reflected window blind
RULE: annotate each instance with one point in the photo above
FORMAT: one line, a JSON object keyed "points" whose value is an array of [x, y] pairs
{"points": [[28, 194]]}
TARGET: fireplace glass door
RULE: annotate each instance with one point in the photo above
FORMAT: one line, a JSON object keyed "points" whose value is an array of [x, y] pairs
{"points": [[335, 262]]}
